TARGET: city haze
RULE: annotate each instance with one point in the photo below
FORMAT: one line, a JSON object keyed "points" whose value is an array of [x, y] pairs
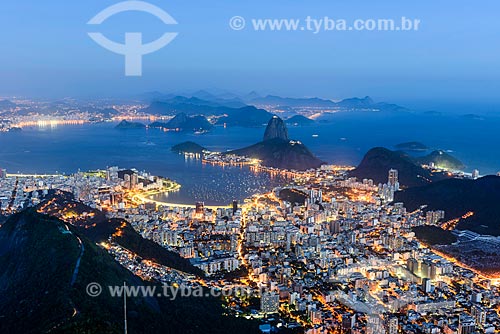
{"points": [[451, 58]]}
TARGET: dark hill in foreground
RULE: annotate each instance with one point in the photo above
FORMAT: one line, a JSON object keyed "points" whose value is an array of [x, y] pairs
{"points": [[457, 197], [98, 228], [38, 257]]}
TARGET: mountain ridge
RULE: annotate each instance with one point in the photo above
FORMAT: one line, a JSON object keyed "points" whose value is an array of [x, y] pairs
{"points": [[38, 257], [458, 197]]}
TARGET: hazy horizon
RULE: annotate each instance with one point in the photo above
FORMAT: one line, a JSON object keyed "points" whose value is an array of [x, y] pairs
{"points": [[452, 57]]}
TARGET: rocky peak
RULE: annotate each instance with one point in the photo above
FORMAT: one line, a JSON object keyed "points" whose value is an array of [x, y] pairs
{"points": [[276, 129]]}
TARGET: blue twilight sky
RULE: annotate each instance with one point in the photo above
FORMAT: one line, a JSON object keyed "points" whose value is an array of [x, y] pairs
{"points": [[455, 55]]}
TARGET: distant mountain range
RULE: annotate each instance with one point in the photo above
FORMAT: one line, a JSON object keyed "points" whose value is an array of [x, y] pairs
{"points": [[235, 110], [6, 105], [234, 116], [231, 112], [277, 150], [361, 104]]}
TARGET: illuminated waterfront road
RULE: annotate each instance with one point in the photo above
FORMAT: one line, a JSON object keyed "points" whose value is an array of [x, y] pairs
{"points": [[144, 199]]}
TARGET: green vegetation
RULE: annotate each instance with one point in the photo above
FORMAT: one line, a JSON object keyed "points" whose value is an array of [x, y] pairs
{"points": [[99, 228], [433, 235], [442, 160], [150, 250], [293, 196], [37, 261]]}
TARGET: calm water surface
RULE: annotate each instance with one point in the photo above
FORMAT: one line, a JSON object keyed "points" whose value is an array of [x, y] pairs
{"points": [[344, 139]]}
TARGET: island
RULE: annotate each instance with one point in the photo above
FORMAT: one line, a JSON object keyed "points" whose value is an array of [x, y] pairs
{"points": [[412, 146], [188, 147], [473, 117], [278, 151], [129, 125]]}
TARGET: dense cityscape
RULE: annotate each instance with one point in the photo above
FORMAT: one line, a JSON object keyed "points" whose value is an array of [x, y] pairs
{"points": [[327, 253]]}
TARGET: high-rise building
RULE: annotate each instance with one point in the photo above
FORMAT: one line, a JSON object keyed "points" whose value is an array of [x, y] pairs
{"points": [[235, 206], [348, 322], [475, 174], [476, 297], [3, 173], [269, 302], [432, 217], [479, 313], [288, 244], [425, 270], [426, 285], [374, 324], [393, 180], [334, 227], [466, 324], [412, 265], [392, 325], [200, 208], [134, 180], [233, 243]]}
